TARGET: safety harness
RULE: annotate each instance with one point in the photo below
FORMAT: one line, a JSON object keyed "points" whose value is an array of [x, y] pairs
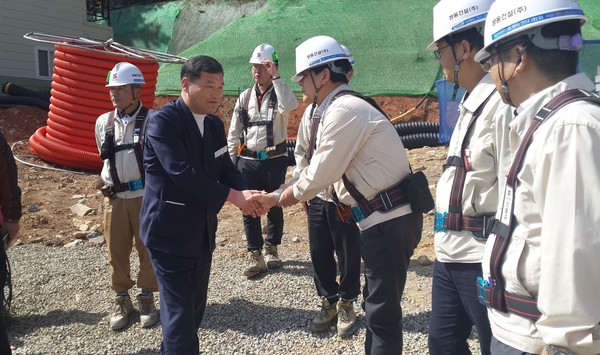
{"points": [[492, 292], [272, 149], [109, 149], [384, 201], [454, 218]]}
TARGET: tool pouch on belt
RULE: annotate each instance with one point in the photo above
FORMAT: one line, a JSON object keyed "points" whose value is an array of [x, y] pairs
{"points": [[108, 191], [345, 212], [417, 191]]}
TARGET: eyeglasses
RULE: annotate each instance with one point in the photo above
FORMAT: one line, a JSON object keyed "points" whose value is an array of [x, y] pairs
{"points": [[437, 53], [487, 63]]}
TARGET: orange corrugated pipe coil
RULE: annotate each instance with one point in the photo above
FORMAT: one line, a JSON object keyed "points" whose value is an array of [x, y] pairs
{"points": [[78, 97]]}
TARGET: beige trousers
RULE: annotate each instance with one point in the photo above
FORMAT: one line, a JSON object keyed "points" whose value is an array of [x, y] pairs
{"points": [[122, 233]]}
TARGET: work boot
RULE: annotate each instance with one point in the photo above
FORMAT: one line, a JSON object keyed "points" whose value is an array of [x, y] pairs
{"points": [[272, 257], [256, 264], [123, 309], [326, 317], [346, 322], [148, 312]]}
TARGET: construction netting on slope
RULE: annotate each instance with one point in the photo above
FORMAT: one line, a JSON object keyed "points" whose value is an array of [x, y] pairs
{"points": [[387, 38]]}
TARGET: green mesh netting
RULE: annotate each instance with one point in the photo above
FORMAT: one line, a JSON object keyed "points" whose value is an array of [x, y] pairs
{"points": [[387, 38], [148, 27]]}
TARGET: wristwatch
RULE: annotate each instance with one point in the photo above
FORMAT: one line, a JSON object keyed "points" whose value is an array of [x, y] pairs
{"points": [[557, 350], [277, 194]]}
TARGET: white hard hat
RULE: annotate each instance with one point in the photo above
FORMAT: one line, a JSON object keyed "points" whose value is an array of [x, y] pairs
{"points": [[125, 74], [264, 52], [349, 54], [508, 18], [451, 16], [317, 51]]}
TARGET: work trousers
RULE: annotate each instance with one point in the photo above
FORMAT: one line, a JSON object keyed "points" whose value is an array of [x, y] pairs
{"points": [[386, 251], [122, 233], [499, 348], [455, 309], [327, 234], [183, 284], [267, 175]]}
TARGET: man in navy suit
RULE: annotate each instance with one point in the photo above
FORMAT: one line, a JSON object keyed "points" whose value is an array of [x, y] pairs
{"points": [[189, 176]]}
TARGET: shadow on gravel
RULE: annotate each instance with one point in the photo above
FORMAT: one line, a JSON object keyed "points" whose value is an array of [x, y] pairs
{"points": [[426, 271], [292, 267], [245, 317], [21, 325], [416, 323]]}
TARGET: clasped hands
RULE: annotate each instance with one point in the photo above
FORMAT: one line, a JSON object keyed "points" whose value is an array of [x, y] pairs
{"points": [[257, 203]]}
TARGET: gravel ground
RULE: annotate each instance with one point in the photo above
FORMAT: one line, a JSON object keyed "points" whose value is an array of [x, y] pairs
{"points": [[62, 303]]}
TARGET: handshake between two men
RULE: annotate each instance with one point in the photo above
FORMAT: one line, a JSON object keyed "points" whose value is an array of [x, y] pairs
{"points": [[257, 203]]}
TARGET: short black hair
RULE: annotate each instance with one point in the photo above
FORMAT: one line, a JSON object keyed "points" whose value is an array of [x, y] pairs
{"points": [[336, 77], [554, 64], [194, 66], [471, 35]]}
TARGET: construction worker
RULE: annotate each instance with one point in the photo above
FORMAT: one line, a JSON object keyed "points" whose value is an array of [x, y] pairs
{"points": [[257, 143], [328, 234], [358, 151], [467, 192], [119, 136], [540, 275]]}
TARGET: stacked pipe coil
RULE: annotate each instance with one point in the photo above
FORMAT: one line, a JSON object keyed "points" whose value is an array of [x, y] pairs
{"points": [[78, 97]]}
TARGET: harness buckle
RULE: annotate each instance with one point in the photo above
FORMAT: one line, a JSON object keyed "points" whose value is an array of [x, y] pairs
{"points": [[481, 286], [358, 214], [135, 185], [262, 155], [385, 199], [439, 222]]}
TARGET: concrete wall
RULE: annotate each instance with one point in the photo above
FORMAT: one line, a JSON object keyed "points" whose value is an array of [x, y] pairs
{"points": [[18, 57]]}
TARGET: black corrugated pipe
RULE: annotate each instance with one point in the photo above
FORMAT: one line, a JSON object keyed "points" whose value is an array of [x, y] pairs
{"points": [[16, 90], [408, 128], [420, 140], [24, 101], [411, 141]]}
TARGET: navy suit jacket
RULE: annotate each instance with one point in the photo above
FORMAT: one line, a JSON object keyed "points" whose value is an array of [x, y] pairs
{"points": [[188, 177]]}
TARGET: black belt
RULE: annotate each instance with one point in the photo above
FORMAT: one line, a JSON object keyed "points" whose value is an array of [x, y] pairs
{"points": [[384, 201], [132, 185], [523, 306], [480, 226], [268, 152]]}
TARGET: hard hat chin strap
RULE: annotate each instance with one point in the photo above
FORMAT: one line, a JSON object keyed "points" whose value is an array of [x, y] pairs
{"points": [[456, 69], [504, 82], [317, 90], [133, 102], [456, 86]]}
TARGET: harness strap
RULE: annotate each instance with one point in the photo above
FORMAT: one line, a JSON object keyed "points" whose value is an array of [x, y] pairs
{"points": [[137, 147], [498, 298], [523, 306], [455, 208], [480, 226], [312, 143], [385, 200], [269, 152], [272, 111]]}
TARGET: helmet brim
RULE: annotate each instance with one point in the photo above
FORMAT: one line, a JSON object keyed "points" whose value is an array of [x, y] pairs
{"points": [[482, 54], [433, 46]]}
